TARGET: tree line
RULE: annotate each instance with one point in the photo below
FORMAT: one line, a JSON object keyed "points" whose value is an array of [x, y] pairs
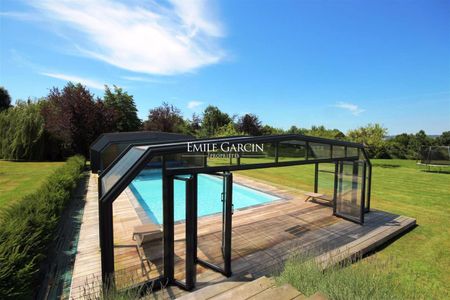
{"points": [[68, 120]]}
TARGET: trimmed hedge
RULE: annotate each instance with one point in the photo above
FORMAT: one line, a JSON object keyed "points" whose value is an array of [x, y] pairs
{"points": [[27, 230]]}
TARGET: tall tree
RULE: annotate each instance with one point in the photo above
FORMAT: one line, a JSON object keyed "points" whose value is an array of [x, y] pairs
{"points": [[372, 136], [250, 124], [213, 119], [126, 111], [165, 118], [75, 118], [5, 99], [22, 134]]}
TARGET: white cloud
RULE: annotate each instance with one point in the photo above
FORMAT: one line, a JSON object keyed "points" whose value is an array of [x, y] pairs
{"points": [[176, 37], [194, 104], [353, 108], [75, 79], [145, 79]]}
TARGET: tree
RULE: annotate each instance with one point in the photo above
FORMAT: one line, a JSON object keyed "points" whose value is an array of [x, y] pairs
{"points": [[75, 118], [5, 99], [250, 124], [165, 118], [372, 136], [269, 130], [22, 134], [443, 139], [228, 130], [213, 119], [125, 108]]}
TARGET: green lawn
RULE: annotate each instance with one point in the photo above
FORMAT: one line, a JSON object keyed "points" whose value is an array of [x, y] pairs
{"points": [[21, 178], [420, 260]]}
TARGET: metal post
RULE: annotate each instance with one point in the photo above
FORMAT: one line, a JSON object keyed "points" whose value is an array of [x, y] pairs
{"points": [[168, 226], [191, 236], [363, 192], [336, 170], [316, 177], [228, 223], [107, 251]]}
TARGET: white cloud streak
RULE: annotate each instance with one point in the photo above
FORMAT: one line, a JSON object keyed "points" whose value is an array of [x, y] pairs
{"points": [[75, 79], [145, 79], [194, 104], [151, 38], [353, 108]]}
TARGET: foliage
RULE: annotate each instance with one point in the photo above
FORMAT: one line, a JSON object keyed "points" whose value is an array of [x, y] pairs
{"points": [[27, 229], [22, 134], [165, 118], [228, 130], [5, 99], [75, 118], [269, 130], [372, 136], [319, 131], [213, 119], [443, 139], [250, 124], [124, 107]]}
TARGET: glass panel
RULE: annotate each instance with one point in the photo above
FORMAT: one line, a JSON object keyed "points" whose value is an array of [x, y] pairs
{"points": [[185, 160], [291, 150], [121, 167], [138, 231], [110, 153], [338, 151], [326, 181], [351, 151], [319, 151], [348, 202], [258, 154]]}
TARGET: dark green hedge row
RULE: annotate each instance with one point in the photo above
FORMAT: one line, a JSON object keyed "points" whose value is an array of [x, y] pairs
{"points": [[27, 229]]}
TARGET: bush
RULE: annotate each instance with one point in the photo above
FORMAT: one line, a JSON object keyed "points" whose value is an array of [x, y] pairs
{"points": [[27, 230]]}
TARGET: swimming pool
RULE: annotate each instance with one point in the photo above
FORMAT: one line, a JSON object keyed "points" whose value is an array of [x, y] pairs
{"points": [[147, 187]]}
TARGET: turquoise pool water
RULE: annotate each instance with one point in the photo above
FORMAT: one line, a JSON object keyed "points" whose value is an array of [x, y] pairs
{"points": [[147, 187]]}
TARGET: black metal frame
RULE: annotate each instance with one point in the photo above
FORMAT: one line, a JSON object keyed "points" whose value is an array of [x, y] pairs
{"points": [[106, 198]]}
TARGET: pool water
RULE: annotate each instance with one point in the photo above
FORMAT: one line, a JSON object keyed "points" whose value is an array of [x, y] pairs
{"points": [[147, 187]]}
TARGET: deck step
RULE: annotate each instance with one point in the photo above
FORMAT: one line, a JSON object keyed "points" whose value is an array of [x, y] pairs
{"points": [[212, 290], [247, 290], [285, 292]]}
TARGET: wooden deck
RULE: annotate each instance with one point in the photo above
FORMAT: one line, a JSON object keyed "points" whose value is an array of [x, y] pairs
{"points": [[263, 237]]}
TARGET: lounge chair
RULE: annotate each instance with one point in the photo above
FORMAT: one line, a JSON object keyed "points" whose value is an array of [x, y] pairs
{"points": [[313, 196], [143, 234]]}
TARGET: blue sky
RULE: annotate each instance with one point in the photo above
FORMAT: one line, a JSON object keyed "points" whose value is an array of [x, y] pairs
{"points": [[341, 64]]}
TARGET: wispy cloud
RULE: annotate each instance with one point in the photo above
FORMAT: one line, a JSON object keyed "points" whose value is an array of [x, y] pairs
{"points": [[194, 104], [353, 108], [145, 79], [75, 79], [175, 37]]}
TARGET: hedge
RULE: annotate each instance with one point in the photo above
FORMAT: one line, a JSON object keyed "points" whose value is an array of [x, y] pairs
{"points": [[28, 227]]}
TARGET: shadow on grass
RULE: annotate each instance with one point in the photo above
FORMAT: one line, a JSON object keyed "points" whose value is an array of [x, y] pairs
{"points": [[447, 172], [387, 166]]}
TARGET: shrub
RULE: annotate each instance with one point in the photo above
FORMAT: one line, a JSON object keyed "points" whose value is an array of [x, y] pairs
{"points": [[27, 229]]}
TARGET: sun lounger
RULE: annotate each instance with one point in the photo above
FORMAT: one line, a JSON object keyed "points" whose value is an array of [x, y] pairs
{"points": [[143, 234], [312, 196]]}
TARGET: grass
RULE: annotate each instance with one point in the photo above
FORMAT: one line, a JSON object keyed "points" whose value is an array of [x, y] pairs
{"points": [[421, 260], [340, 283], [18, 179]]}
